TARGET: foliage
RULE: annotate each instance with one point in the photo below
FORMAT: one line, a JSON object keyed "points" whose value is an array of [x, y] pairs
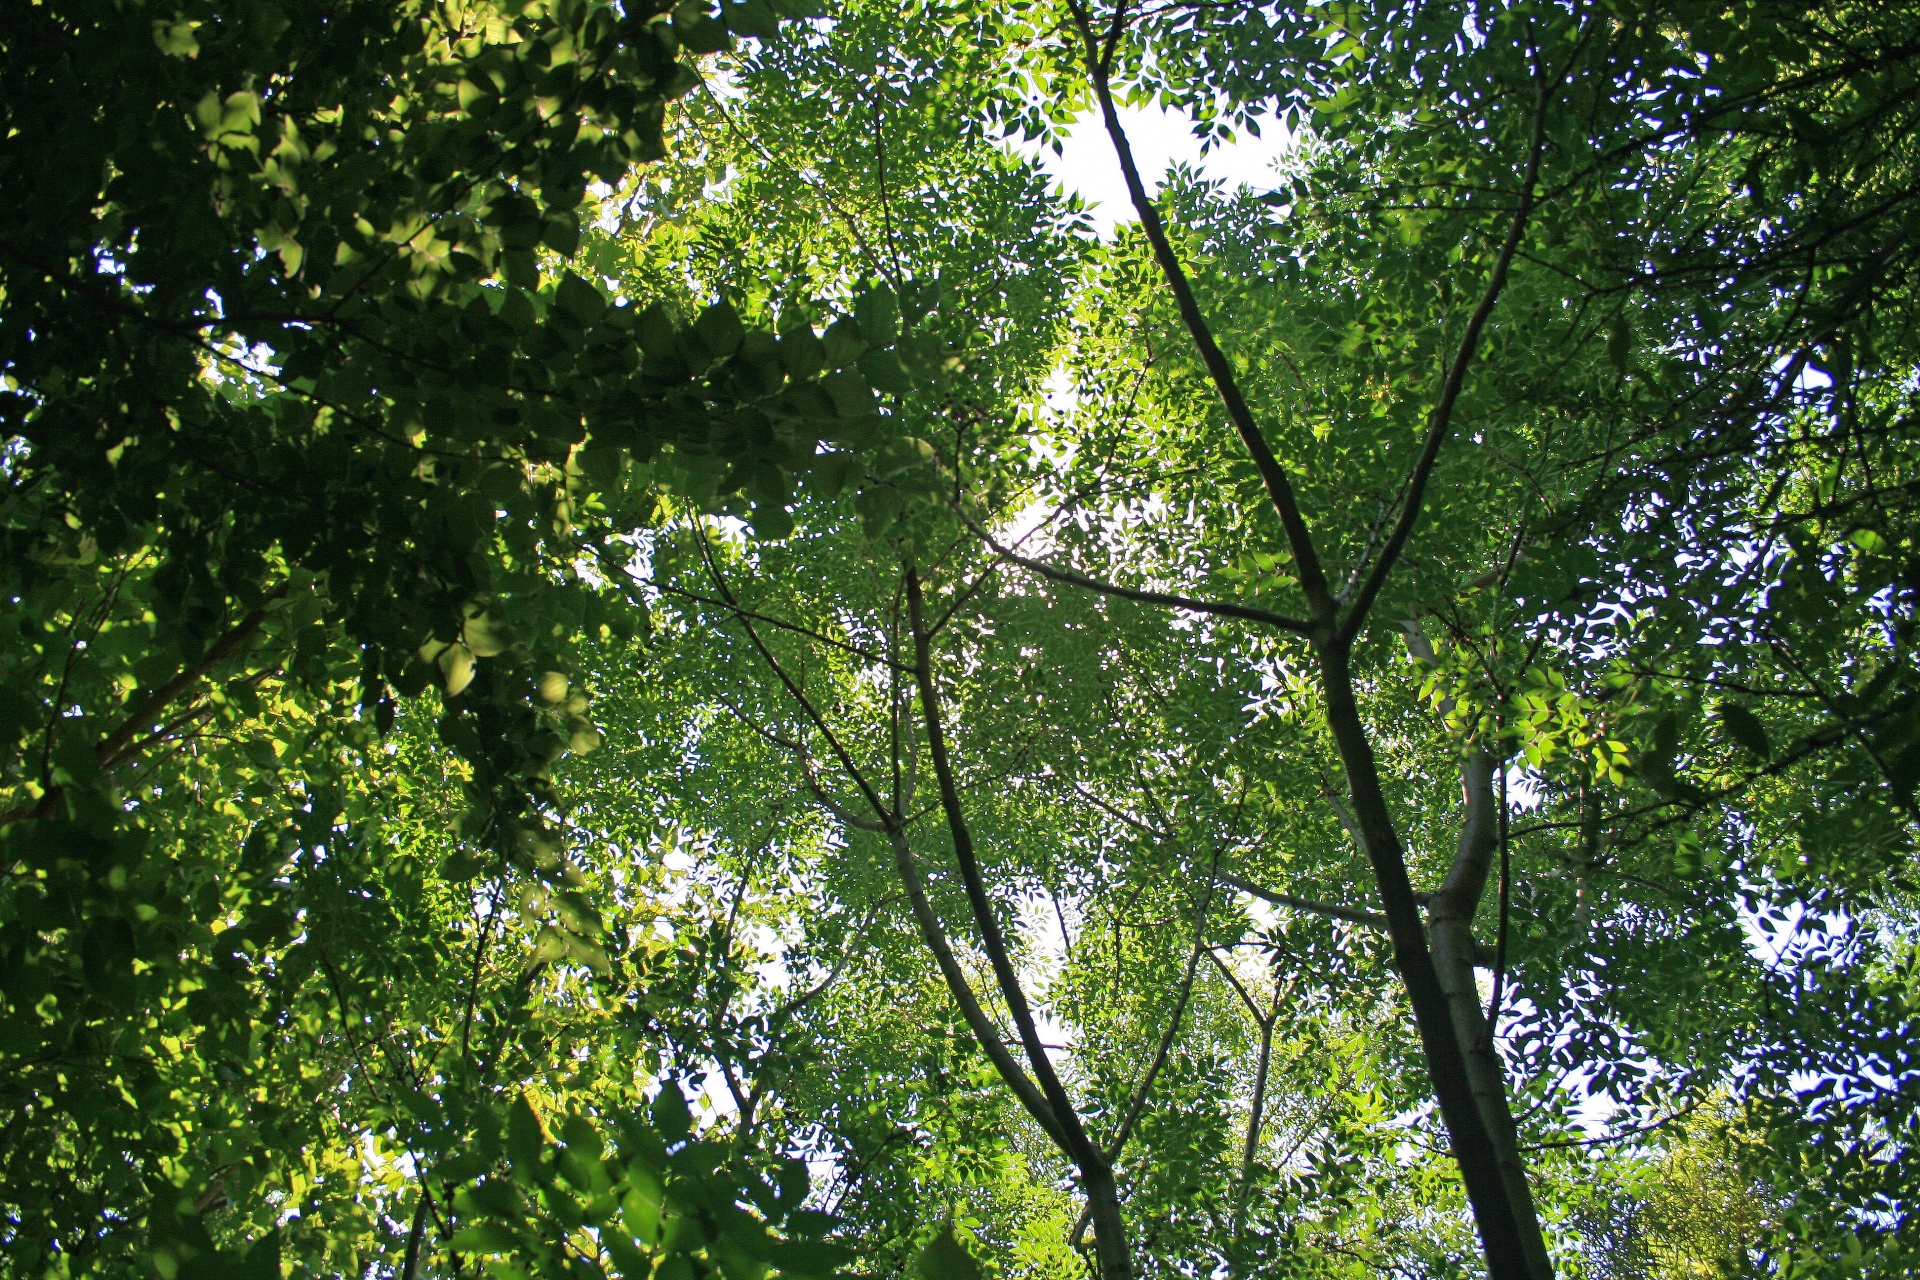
{"points": [[532, 610]]}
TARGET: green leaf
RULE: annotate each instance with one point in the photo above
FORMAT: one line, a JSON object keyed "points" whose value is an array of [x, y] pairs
{"points": [[945, 1258], [520, 268], [816, 1258], [655, 330], [829, 473], [175, 38], [843, 343], [753, 18], [670, 1114], [526, 1140], [107, 958], [488, 1237], [803, 354], [879, 315], [883, 369], [771, 523], [262, 1260], [720, 329], [852, 397], [561, 232], [699, 30], [579, 300], [1620, 342], [1745, 728]]}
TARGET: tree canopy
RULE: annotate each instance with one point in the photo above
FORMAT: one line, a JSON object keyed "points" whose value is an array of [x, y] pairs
{"points": [[632, 650]]}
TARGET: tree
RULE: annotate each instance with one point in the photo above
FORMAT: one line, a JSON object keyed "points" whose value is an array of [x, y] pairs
{"points": [[1469, 577], [305, 415], [1532, 82]]}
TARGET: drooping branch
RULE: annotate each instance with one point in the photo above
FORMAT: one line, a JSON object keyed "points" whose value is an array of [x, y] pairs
{"points": [[1187, 604]]}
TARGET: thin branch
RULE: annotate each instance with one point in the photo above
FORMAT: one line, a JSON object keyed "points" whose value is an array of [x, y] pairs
{"points": [[1073, 577], [793, 690], [111, 748], [1075, 1142], [1354, 915], [1441, 424], [481, 938], [1139, 1103], [799, 749], [1623, 1135]]}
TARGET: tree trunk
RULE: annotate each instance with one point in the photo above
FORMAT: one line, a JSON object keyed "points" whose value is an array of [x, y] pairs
{"points": [[1110, 1248], [1096, 1171], [1495, 1211], [1450, 922]]}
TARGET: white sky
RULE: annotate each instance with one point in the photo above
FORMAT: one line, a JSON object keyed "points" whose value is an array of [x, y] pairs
{"points": [[1159, 140]]}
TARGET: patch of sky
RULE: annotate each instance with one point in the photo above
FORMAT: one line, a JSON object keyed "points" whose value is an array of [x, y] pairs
{"points": [[1085, 164]]}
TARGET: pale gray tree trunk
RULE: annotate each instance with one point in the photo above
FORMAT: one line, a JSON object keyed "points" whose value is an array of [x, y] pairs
{"points": [[1450, 914]]}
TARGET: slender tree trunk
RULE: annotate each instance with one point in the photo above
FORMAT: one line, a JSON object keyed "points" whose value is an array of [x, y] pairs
{"points": [[1257, 1116], [1450, 916], [410, 1266], [1494, 1210], [1096, 1170]]}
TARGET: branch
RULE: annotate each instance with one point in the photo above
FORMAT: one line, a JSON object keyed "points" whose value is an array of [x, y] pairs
{"points": [[670, 588], [992, 1043], [793, 690], [988, 1035], [1074, 1140], [1623, 1135], [1506, 906], [1139, 1102], [224, 648], [111, 748], [800, 753], [409, 1267], [1442, 422], [1072, 577], [1313, 579], [1355, 915]]}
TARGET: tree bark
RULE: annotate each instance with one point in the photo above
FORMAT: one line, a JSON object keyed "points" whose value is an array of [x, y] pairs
{"points": [[1494, 1210], [1450, 922]]}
